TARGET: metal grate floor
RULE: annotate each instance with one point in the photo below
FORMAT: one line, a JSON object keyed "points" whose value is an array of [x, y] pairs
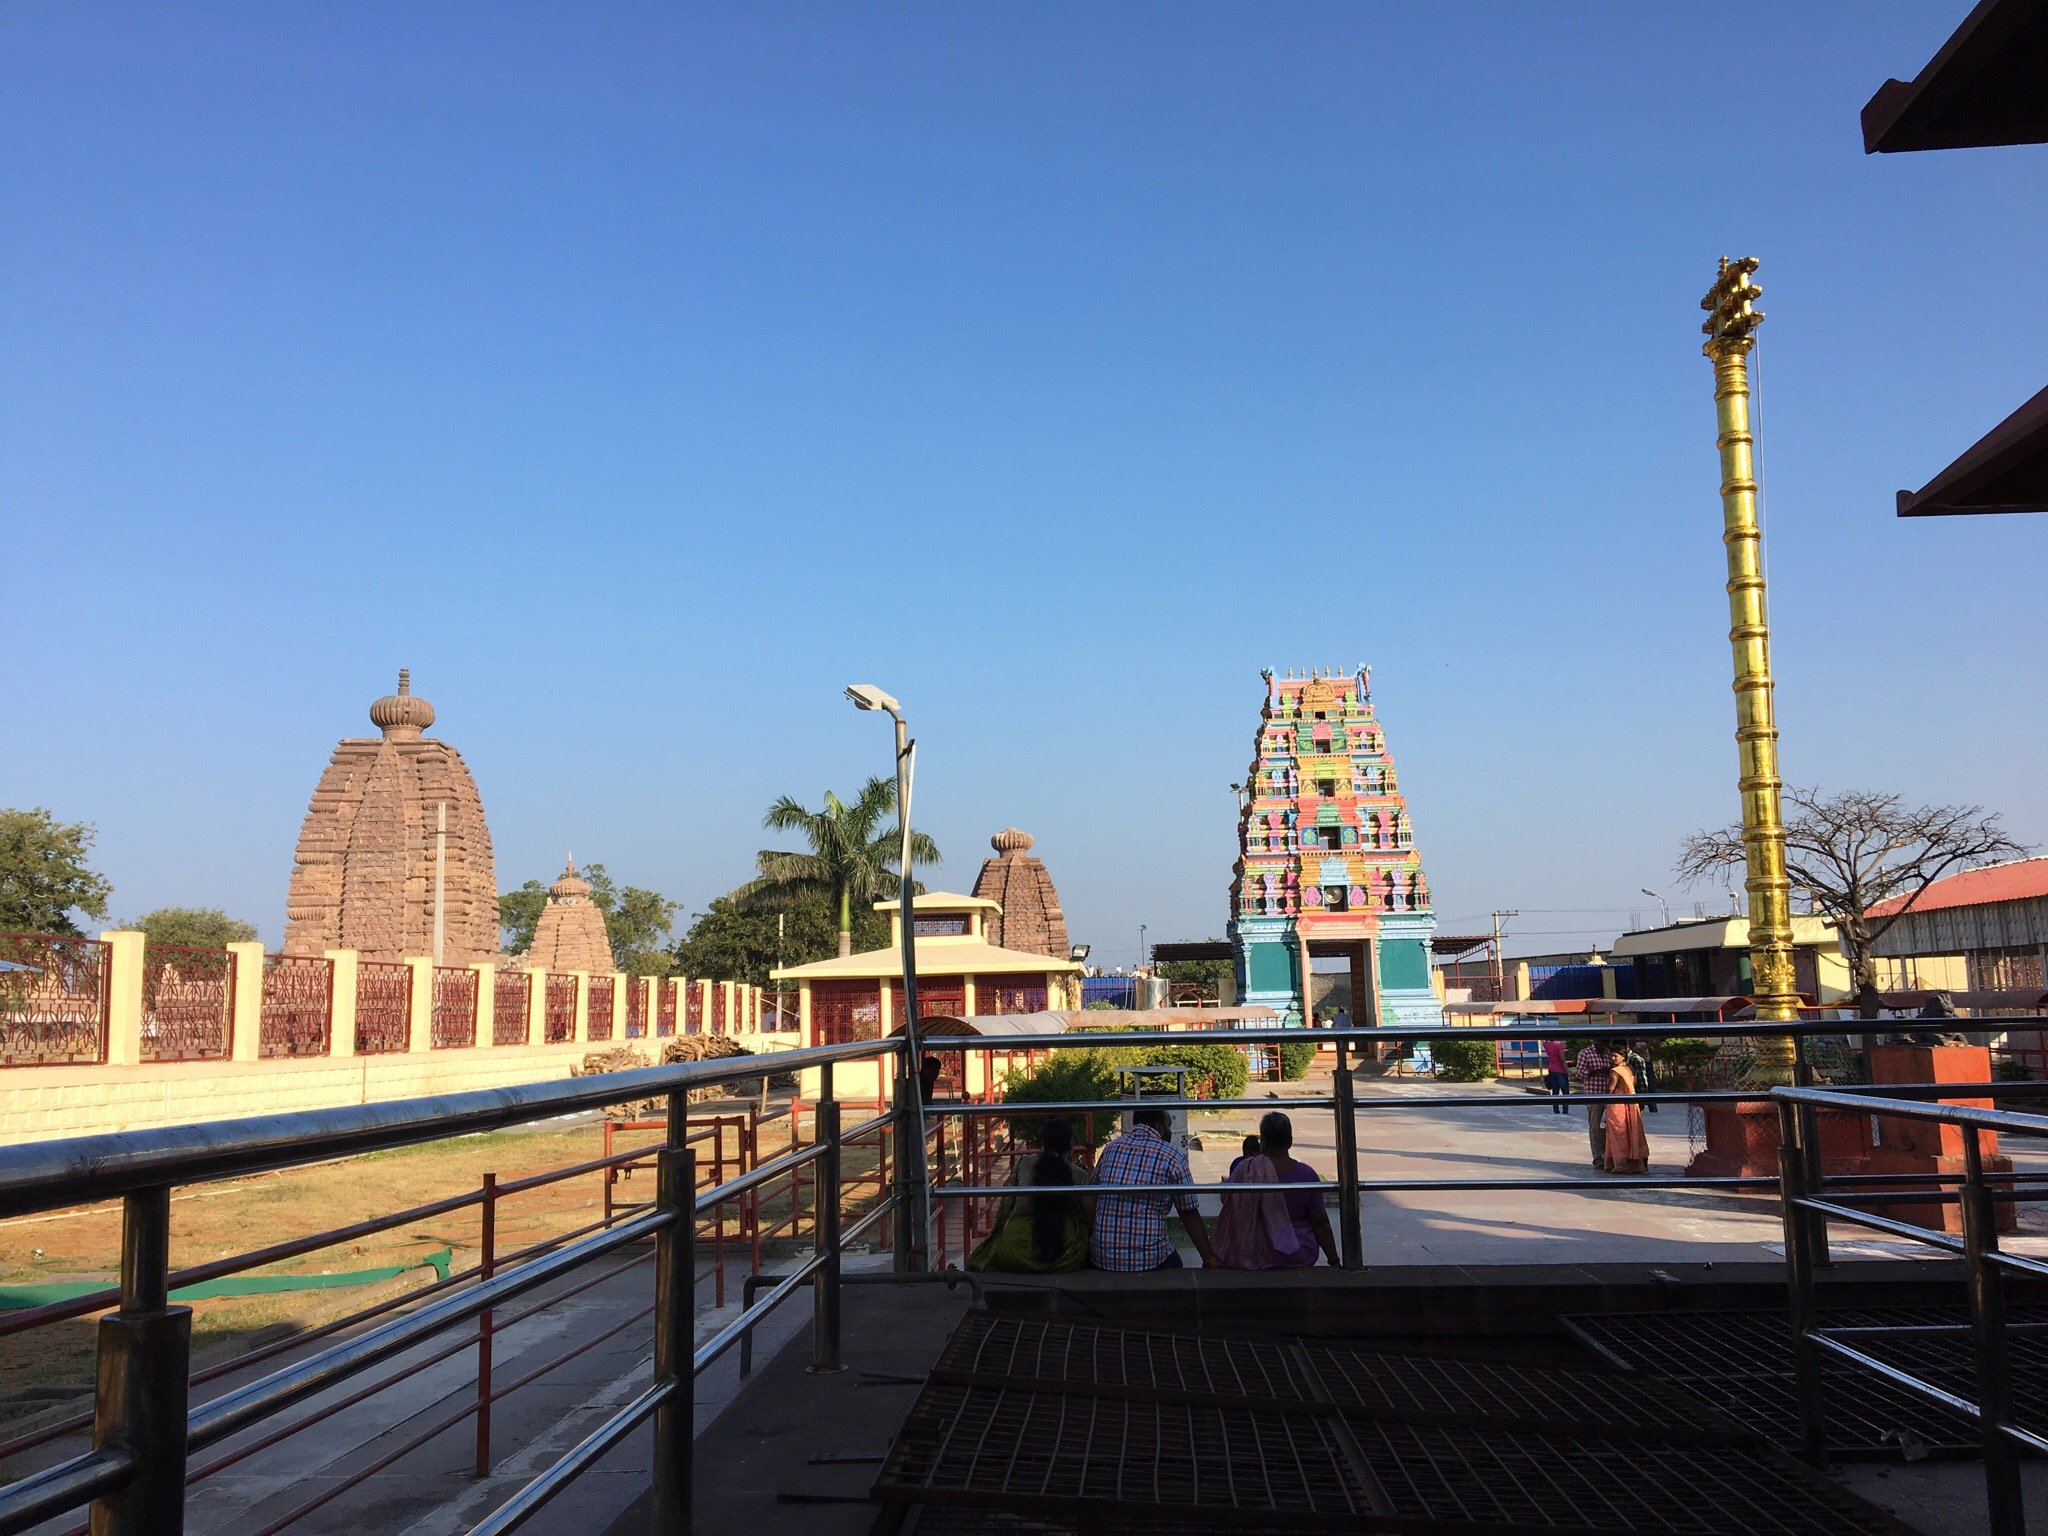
{"points": [[1037, 1428], [1741, 1362]]}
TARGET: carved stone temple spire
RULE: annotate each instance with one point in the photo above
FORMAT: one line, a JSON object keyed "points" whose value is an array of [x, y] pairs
{"points": [[364, 876]]}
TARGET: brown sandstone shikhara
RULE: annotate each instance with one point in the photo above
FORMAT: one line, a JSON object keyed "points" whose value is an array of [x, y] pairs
{"points": [[570, 935], [364, 872], [1031, 919]]}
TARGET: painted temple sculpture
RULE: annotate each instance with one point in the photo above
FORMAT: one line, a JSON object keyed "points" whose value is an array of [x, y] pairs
{"points": [[1327, 865]]}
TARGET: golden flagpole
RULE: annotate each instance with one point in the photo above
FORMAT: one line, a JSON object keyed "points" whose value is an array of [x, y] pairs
{"points": [[1730, 329]]}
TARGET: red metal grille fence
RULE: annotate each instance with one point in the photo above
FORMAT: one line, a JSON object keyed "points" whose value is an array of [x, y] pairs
{"points": [[54, 1009], [666, 991], [601, 988], [454, 1021], [845, 1010], [693, 1009], [718, 996], [1005, 994], [383, 1007], [636, 1004], [511, 1005], [298, 1005], [558, 1009], [188, 1003]]}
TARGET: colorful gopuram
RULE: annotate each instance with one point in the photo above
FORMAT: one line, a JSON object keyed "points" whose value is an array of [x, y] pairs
{"points": [[1327, 865]]}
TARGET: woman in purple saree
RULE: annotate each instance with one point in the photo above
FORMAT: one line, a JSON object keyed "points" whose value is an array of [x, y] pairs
{"points": [[1272, 1229]]}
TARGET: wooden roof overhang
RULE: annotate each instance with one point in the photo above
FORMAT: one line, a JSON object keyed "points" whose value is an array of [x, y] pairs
{"points": [[2006, 471], [1983, 88]]}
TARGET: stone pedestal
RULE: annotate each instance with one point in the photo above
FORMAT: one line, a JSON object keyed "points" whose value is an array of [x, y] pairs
{"points": [[1742, 1142], [1925, 1146]]}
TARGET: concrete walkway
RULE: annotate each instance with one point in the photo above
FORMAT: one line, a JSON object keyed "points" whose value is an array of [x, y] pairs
{"points": [[1402, 1135]]}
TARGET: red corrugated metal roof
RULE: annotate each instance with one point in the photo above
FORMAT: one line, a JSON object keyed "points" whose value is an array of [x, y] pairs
{"points": [[2021, 880]]}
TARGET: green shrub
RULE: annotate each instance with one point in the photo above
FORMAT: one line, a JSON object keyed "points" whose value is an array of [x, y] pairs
{"points": [[1463, 1061], [1063, 1076], [1296, 1056]]}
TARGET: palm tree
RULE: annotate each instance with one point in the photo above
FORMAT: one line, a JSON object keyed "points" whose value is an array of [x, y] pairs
{"points": [[852, 855]]}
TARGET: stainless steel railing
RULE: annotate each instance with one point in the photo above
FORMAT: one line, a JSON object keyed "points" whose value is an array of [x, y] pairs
{"points": [[145, 1429], [1806, 1214]]}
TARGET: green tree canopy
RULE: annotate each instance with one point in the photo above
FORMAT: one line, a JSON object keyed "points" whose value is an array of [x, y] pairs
{"points": [[731, 942], [637, 921], [44, 877], [199, 927], [851, 858]]}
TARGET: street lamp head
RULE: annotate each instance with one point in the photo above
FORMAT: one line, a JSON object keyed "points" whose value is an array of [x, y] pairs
{"points": [[868, 696]]}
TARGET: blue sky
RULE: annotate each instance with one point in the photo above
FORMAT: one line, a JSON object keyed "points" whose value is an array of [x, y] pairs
{"points": [[640, 375]]}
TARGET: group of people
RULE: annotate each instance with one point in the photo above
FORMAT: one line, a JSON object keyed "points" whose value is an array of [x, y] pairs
{"points": [[1046, 1231], [1615, 1129]]}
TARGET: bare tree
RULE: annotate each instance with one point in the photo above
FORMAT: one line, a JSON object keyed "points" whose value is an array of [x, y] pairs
{"points": [[1850, 852]]}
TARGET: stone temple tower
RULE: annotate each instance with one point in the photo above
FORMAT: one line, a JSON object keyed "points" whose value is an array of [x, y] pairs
{"points": [[395, 848], [570, 935], [1031, 919], [1327, 866]]}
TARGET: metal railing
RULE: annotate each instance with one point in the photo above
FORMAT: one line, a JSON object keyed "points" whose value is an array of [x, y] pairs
{"points": [[144, 1428], [1346, 1106], [1806, 1214]]}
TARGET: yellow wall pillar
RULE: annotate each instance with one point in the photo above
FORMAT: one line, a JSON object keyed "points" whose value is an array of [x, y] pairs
{"points": [[486, 1003], [421, 1035], [967, 998], [537, 1008], [341, 1018], [124, 996], [620, 981], [803, 1014], [581, 1034], [247, 1036]]}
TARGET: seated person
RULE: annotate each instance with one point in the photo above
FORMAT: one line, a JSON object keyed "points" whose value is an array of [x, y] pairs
{"points": [[1041, 1233], [1251, 1149], [1130, 1230], [1270, 1229]]}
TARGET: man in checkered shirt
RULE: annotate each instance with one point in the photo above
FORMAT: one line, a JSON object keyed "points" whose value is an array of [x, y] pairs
{"points": [[1130, 1230], [1594, 1071]]}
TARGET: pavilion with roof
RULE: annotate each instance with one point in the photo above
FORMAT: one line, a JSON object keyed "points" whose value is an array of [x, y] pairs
{"points": [[960, 972]]}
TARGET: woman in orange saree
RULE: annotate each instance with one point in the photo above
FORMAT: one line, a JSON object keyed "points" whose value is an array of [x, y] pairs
{"points": [[1627, 1149]]}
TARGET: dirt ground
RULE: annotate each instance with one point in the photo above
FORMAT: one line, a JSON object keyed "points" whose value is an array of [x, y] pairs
{"points": [[215, 1221]]}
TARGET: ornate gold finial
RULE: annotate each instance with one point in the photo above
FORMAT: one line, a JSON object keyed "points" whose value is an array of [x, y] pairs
{"points": [[1731, 317]]}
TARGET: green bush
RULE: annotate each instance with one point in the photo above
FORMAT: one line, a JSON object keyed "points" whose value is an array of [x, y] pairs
{"points": [[1296, 1056], [1463, 1061], [1064, 1076]]}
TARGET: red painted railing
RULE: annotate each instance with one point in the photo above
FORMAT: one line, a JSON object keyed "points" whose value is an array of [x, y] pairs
{"points": [[298, 1005], [636, 1005], [455, 988], [188, 1003], [558, 1009], [601, 989], [665, 1006], [54, 1009], [383, 1007], [511, 1008]]}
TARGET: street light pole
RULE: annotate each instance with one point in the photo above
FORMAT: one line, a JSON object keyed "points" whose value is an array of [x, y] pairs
{"points": [[913, 1189]]}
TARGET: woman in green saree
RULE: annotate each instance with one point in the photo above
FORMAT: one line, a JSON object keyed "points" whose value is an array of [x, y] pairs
{"points": [[1044, 1233]]}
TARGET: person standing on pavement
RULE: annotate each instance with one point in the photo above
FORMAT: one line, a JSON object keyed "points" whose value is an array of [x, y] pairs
{"points": [[1594, 1072], [1557, 1075], [1130, 1230]]}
